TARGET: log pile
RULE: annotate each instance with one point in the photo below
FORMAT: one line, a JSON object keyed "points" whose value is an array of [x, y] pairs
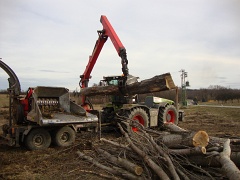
{"points": [[174, 153]]}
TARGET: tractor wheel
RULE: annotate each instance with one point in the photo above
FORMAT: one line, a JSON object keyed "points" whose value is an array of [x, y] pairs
{"points": [[168, 114], [140, 115], [65, 136], [38, 139]]}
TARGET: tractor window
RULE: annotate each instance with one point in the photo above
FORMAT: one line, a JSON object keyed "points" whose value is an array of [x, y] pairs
{"points": [[113, 82]]}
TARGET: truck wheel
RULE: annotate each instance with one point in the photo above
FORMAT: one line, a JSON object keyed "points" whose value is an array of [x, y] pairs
{"points": [[139, 115], [38, 139], [65, 136], [168, 114]]}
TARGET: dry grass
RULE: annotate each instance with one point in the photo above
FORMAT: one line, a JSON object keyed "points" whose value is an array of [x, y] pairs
{"points": [[235, 102], [4, 101], [218, 112]]}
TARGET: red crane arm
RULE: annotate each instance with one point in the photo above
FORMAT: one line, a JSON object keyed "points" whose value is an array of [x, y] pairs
{"points": [[110, 32], [92, 60], [103, 35]]}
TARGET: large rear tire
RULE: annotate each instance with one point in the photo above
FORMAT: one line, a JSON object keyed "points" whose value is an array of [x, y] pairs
{"points": [[167, 114], [140, 115], [38, 139], [65, 136]]}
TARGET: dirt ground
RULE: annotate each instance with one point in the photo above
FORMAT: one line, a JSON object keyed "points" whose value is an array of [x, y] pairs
{"points": [[216, 121], [64, 163]]}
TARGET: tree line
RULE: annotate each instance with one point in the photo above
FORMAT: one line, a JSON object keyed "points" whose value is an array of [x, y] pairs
{"points": [[214, 92]]}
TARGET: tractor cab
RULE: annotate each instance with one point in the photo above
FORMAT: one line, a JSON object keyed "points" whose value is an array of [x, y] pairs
{"points": [[119, 81], [112, 80]]}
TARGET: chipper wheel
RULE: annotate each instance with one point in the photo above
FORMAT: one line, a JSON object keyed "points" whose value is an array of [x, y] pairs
{"points": [[140, 115], [38, 139], [65, 136], [167, 114]]}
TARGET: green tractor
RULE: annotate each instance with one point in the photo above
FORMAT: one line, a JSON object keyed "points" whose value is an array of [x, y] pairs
{"points": [[154, 112]]}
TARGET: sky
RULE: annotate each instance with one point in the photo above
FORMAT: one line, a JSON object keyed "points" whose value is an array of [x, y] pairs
{"points": [[48, 43]]}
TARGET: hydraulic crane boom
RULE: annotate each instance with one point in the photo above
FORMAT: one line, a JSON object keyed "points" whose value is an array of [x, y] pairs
{"points": [[109, 31], [103, 35]]}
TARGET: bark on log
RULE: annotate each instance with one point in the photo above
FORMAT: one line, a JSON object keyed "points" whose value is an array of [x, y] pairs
{"points": [[202, 160], [235, 157], [157, 83], [189, 151], [210, 161], [235, 148], [122, 162], [217, 140]]}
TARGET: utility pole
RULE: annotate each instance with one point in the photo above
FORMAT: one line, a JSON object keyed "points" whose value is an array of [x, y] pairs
{"points": [[184, 85]]}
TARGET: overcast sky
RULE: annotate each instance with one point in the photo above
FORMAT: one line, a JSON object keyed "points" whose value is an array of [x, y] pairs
{"points": [[48, 43]]}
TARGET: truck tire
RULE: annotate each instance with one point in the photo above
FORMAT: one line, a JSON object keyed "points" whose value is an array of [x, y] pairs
{"points": [[38, 139], [65, 136], [167, 114], [139, 115]]}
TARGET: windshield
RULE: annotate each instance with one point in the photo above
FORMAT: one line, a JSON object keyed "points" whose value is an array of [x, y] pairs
{"points": [[113, 82]]}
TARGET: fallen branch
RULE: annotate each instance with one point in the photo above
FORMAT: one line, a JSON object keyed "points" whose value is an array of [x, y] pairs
{"points": [[169, 163], [113, 170], [115, 144], [189, 151], [228, 166], [122, 162], [157, 169], [95, 173]]}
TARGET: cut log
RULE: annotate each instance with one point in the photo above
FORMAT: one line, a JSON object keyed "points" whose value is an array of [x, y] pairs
{"points": [[157, 83], [183, 139]]}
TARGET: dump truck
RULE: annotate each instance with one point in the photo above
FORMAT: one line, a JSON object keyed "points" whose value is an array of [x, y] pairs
{"points": [[43, 116]]}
